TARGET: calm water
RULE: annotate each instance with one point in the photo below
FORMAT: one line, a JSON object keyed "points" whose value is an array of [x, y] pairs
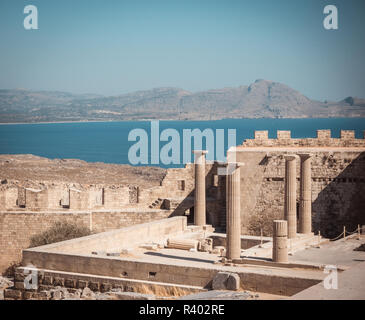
{"points": [[108, 141]]}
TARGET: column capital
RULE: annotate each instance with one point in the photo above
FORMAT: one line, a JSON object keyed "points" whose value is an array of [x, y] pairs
{"points": [[290, 157], [305, 155]]}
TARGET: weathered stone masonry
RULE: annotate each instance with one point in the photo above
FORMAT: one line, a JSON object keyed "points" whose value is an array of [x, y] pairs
{"points": [[337, 179], [30, 207]]}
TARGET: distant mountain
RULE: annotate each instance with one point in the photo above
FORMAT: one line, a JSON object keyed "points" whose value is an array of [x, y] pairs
{"points": [[262, 99]]}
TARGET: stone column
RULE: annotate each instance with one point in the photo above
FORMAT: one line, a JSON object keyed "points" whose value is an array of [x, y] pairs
{"points": [[233, 213], [305, 208], [290, 204], [199, 199], [280, 241]]}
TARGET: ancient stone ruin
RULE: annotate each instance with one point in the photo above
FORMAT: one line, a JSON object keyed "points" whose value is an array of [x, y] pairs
{"points": [[256, 227]]}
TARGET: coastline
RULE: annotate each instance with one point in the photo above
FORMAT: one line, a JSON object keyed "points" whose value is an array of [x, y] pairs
{"points": [[180, 120]]}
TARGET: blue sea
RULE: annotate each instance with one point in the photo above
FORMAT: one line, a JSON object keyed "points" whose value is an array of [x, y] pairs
{"points": [[108, 141]]}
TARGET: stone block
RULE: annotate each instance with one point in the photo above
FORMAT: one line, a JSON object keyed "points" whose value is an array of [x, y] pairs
{"points": [[19, 285], [323, 134], [81, 284], [87, 293], [347, 134], [59, 282], [94, 286], [281, 134], [105, 287], [220, 280], [233, 282], [129, 289], [149, 246], [19, 276], [118, 287], [44, 287], [47, 280], [75, 293], [12, 294], [206, 245], [261, 135], [70, 283], [226, 281], [56, 294], [28, 295], [45, 294]]}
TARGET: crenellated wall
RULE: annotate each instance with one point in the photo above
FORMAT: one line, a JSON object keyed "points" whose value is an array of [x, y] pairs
{"points": [[338, 179], [323, 139]]}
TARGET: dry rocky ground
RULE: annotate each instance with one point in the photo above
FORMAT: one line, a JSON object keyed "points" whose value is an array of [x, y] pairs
{"points": [[34, 168]]}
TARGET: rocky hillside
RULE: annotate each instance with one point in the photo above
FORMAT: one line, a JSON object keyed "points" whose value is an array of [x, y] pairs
{"points": [[29, 168], [262, 99]]}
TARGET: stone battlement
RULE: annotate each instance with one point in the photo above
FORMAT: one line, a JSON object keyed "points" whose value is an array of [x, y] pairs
{"points": [[324, 138]]}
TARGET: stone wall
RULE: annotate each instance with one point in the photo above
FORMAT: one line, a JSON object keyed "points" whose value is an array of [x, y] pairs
{"points": [[338, 191], [323, 139], [115, 241], [17, 228], [43, 195], [30, 207], [58, 285], [338, 180]]}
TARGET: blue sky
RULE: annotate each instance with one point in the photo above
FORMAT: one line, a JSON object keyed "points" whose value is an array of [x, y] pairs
{"points": [[113, 46]]}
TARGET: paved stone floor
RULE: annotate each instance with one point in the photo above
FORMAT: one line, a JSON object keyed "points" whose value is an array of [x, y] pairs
{"points": [[340, 253], [351, 282], [351, 286]]}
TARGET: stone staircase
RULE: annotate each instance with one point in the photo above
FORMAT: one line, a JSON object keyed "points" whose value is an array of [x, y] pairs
{"points": [[156, 204]]}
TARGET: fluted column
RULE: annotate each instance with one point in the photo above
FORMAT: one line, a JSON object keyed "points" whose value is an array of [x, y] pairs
{"points": [[233, 214], [199, 199], [290, 205], [280, 241], [305, 207]]}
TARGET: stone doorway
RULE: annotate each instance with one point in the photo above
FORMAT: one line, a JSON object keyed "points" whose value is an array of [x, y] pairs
{"points": [[189, 213]]}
